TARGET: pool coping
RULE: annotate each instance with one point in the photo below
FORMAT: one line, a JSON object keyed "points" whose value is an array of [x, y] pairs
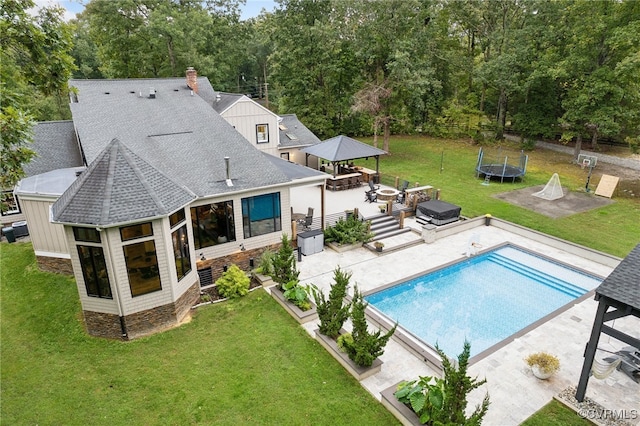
{"points": [[426, 352]]}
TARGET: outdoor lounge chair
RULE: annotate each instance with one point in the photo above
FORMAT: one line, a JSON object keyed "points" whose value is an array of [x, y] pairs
{"points": [[370, 196], [308, 219], [402, 196]]}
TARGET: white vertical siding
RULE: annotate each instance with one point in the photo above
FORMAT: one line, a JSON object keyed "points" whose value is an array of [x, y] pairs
{"points": [[245, 115], [47, 238]]}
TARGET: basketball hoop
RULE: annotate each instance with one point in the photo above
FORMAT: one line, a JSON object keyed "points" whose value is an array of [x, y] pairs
{"points": [[585, 163]]}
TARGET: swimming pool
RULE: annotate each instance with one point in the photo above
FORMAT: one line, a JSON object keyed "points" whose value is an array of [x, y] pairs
{"points": [[483, 299]]}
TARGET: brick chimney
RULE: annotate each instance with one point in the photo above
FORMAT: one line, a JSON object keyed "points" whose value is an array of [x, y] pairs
{"points": [[192, 79]]}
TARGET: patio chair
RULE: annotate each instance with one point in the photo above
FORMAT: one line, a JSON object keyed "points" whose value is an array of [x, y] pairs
{"points": [[370, 196], [308, 219], [402, 196], [372, 187]]}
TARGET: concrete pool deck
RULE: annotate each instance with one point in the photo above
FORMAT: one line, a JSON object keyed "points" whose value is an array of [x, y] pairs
{"points": [[514, 392]]}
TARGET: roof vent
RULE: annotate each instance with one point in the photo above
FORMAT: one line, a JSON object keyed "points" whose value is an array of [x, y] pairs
{"points": [[217, 97], [152, 93], [226, 161]]}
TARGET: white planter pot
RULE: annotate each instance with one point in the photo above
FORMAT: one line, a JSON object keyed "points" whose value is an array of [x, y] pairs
{"points": [[542, 375]]}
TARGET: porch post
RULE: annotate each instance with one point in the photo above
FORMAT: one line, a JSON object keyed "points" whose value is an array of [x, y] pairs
{"points": [[590, 350]]}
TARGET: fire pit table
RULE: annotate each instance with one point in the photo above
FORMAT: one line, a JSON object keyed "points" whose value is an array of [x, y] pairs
{"points": [[387, 194]]}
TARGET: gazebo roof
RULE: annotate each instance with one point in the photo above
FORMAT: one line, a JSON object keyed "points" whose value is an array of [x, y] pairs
{"points": [[342, 148], [623, 284]]}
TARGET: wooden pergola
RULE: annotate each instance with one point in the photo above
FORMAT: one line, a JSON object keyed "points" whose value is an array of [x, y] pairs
{"points": [[620, 291]]}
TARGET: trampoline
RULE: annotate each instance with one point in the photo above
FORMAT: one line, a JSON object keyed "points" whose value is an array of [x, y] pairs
{"points": [[501, 167]]}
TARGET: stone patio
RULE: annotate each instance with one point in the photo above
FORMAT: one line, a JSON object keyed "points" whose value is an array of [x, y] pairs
{"points": [[515, 393]]}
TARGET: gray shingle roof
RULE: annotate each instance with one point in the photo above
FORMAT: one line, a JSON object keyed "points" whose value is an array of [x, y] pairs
{"points": [[118, 187], [342, 148], [175, 132], [223, 100], [294, 134], [623, 284], [56, 147], [295, 171]]}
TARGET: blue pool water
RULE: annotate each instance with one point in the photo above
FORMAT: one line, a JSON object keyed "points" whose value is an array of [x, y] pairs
{"points": [[484, 299]]}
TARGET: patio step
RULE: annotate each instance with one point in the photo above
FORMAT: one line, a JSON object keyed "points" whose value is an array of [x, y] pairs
{"points": [[385, 226], [390, 233]]}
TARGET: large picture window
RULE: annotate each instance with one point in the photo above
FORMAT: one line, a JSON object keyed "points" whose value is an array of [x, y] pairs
{"points": [[262, 133], [261, 215], [94, 272], [181, 251], [213, 224], [142, 267]]}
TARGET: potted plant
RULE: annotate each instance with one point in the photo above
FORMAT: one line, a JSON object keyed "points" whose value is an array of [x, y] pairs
{"points": [[378, 245], [383, 208], [543, 365]]}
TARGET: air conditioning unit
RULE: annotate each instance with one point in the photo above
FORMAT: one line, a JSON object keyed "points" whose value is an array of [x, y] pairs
{"points": [[20, 229]]}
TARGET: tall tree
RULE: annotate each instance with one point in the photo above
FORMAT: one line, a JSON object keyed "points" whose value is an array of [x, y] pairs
{"points": [[313, 68], [34, 52], [395, 67], [599, 67]]}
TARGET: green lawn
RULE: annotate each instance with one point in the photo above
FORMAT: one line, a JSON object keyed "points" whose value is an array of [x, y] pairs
{"points": [[242, 361], [556, 414], [612, 229], [239, 362]]}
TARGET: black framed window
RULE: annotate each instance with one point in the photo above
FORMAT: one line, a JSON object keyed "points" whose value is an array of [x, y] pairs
{"points": [[262, 133], [142, 267], [181, 255], [94, 272], [10, 204], [90, 235], [177, 217], [261, 214], [213, 224], [139, 230]]}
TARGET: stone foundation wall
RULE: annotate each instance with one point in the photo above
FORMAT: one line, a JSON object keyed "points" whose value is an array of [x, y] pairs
{"points": [[241, 259], [186, 301], [145, 322], [151, 321], [102, 325], [55, 264]]}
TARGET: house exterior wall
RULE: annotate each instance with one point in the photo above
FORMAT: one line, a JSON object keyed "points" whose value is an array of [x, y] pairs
{"points": [[48, 238], [142, 314], [245, 114]]}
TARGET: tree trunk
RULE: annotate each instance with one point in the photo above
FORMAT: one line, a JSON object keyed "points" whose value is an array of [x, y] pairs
{"points": [[594, 138], [502, 114], [375, 132], [577, 148], [387, 133]]}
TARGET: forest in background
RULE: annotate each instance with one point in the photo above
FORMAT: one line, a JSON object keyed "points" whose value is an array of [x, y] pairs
{"points": [[471, 68]]}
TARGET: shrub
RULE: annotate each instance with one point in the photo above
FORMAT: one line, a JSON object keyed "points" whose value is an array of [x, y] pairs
{"points": [[265, 265], [348, 231], [344, 340], [334, 312], [284, 264], [233, 283], [366, 347], [297, 294], [444, 401]]}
